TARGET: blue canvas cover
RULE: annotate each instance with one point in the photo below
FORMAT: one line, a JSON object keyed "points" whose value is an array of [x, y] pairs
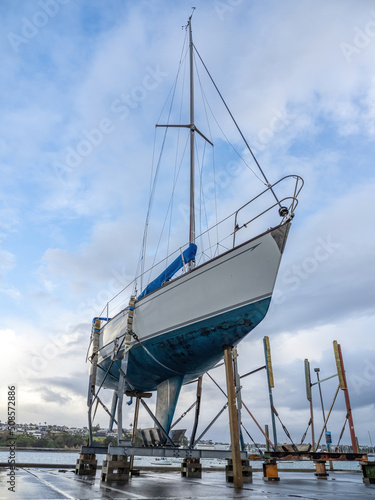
{"points": [[177, 264]]}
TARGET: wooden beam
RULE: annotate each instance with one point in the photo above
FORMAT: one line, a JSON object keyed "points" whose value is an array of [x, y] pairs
{"points": [[134, 394], [233, 420]]}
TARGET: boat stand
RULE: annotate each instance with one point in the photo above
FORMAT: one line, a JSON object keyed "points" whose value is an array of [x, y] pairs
{"points": [[115, 468], [270, 472], [191, 467], [86, 464], [234, 421], [368, 470], [271, 459], [158, 443]]}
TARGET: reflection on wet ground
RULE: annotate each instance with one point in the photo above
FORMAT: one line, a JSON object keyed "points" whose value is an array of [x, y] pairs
{"points": [[48, 484]]}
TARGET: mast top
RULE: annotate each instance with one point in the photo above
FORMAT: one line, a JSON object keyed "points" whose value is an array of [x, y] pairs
{"points": [[189, 20]]}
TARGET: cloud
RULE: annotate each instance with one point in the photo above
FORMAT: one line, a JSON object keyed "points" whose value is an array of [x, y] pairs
{"points": [[7, 262], [11, 292], [326, 264], [76, 383], [48, 395]]}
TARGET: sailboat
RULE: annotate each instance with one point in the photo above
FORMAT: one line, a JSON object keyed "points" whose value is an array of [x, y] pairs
{"points": [[176, 328]]}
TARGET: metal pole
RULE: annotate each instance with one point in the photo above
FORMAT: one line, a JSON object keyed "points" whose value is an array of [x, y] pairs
{"points": [[329, 413], [124, 368], [347, 400], [209, 426], [309, 398], [197, 411], [192, 136], [120, 399], [233, 420], [259, 427], [267, 433], [92, 379], [113, 410], [267, 354], [317, 370]]}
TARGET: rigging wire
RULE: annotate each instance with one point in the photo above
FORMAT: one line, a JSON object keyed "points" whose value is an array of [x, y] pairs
{"points": [[200, 167], [238, 128], [153, 182], [232, 146], [177, 146], [144, 242], [205, 102], [168, 209]]}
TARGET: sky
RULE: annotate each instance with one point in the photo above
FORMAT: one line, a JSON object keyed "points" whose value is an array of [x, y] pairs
{"points": [[82, 86]]}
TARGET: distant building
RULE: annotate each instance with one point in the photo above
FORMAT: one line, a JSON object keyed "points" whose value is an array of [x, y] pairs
{"points": [[35, 433]]}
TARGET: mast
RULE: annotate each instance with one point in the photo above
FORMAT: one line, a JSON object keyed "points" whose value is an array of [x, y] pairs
{"points": [[192, 137], [192, 129]]}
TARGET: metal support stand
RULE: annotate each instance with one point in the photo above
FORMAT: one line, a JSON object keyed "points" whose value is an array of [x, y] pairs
{"points": [[197, 411], [317, 370], [120, 397], [344, 387], [92, 377], [112, 419], [124, 369], [267, 355], [309, 398], [233, 419]]}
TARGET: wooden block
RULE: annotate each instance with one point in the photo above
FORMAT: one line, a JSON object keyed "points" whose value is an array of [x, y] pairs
{"points": [[270, 472], [320, 467]]}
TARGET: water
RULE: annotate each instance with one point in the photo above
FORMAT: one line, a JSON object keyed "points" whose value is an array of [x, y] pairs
{"points": [[70, 458]]}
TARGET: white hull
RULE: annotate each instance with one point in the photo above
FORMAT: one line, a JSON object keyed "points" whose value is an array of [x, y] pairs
{"points": [[235, 279]]}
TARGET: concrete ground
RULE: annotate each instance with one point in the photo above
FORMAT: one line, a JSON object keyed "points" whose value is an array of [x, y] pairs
{"points": [[49, 484]]}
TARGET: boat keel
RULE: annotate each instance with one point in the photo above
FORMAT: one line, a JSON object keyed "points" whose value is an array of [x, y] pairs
{"points": [[166, 401]]}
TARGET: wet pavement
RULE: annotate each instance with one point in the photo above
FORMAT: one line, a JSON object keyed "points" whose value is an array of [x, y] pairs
{"points": [[49, 484]]}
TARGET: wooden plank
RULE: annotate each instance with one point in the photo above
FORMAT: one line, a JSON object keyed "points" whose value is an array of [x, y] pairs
{"points": [[233, 420]]}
